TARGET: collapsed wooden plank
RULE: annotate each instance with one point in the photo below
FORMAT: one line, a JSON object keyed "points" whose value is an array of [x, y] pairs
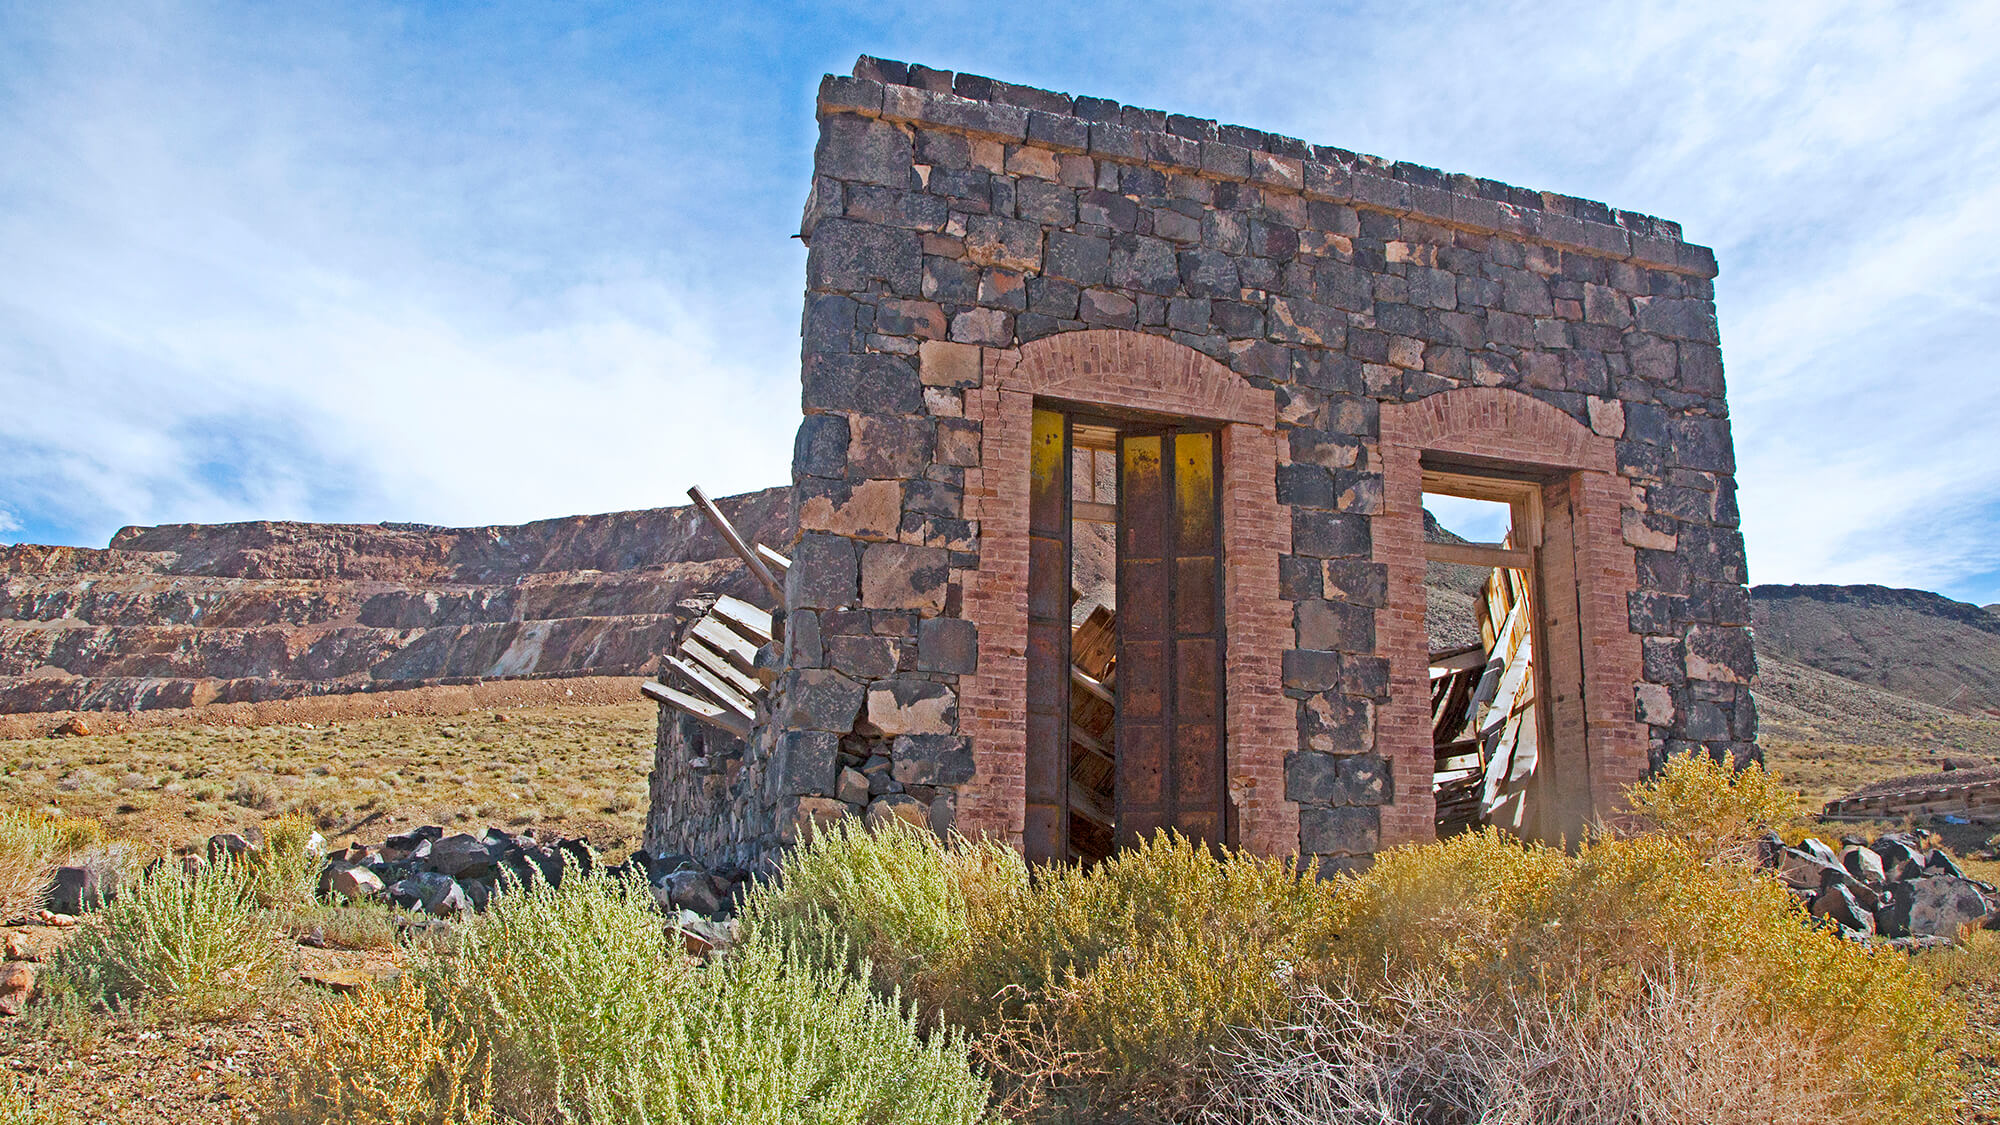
{"points": [[715, 662], [708, 712], [1091, 684], [709, 682], [736, 542], [746, 618], [779, 564], [716, 634], [1477, 554]]}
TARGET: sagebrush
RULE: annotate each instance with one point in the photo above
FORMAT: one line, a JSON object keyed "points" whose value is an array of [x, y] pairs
{"points": [[190, 945], [1421, 1049], [1716, 808], [576, 1003], [1091, 986]]}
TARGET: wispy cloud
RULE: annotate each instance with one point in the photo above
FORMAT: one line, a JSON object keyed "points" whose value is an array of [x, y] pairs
{"points": [[402, 263]]}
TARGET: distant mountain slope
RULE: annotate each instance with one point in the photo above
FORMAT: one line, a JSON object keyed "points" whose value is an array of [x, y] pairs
{"points": [[188, 614], [1916, 644]]}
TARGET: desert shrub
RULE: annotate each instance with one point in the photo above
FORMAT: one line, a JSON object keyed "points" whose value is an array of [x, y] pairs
{"points": [[1714, 807], [194, 946], [381, 1058], [575, 1003], [1129, 973], [1089, 987], [1425, 1050], [766, 1038], [362, 925], [896, 898], [559, 983], [31, 847], [284, 871], [1518, 924]]}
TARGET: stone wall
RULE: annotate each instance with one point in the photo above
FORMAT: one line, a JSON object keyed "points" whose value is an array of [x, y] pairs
{"points": [[963, 231]]}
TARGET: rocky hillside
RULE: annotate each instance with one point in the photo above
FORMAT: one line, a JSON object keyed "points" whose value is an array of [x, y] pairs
{"points": [[188, 614], [1915, 644]]}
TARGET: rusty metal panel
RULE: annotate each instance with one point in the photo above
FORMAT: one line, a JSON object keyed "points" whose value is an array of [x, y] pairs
{"points": [[1194, 611], [1170, 644], [1197, 680], [1198, 787]]}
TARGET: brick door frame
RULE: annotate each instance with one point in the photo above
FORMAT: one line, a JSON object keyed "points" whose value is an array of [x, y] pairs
{"points": [[1496, 424], [1125, 370]]}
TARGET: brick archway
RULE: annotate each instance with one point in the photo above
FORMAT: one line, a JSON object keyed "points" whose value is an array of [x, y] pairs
{"points": [[1497, 424], [1125, 370]]}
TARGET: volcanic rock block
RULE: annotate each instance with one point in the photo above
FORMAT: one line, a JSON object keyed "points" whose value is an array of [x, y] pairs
{"points": [[462, 857], [1802, 869], [430, 892], [899, 806], [692, 890], [74, 890], [1864, 864], [1935, 906], [1839, 904], [355, 884], [17, 984]]}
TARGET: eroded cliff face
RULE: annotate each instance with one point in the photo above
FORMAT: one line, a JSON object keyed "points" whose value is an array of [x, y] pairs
{"points": [[187, 614]]}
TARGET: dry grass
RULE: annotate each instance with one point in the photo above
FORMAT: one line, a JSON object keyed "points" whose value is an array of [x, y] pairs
{"points": [[32, 844], [1423, 1050], [579, 769], [1827, 768], [338, 1072]]}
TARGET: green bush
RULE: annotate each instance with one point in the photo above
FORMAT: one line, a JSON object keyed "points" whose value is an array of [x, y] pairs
{"points": [[284, 871], [193, 946], [560, 983], [896, 898], [767, 1039], [575, 1003]]}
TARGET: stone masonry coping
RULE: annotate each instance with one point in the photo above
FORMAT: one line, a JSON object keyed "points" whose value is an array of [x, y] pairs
{"points": [[912, 94]]}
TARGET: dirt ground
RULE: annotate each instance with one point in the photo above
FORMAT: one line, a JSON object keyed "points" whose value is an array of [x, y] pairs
{"points": [[100, 1070], [578, 768]]}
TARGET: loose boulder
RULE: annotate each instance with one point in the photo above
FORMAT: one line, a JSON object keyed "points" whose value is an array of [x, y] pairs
{"points": [[1838, 903], [74, 890], [1935, 906], [356, 884], [17, 984], [434, 894]]}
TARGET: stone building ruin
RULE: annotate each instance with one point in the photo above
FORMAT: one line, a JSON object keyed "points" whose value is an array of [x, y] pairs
{"points": [[1110, 494]]}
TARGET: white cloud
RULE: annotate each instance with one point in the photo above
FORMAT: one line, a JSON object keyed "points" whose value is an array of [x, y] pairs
{"points": [[209, 319]]}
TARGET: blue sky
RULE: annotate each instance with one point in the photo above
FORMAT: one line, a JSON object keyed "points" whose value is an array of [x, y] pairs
{"points": [[486, 263]]}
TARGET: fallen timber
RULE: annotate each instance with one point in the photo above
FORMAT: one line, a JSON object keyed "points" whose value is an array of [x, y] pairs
{"points": [[720, 680]]}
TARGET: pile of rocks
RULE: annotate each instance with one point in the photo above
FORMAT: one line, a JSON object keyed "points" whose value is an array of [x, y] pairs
{"points": [[1898, 887], [445, 875]]}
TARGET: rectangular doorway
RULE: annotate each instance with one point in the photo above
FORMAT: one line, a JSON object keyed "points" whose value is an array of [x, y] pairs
{"points": [[1506, 667], [1125, 635]]}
